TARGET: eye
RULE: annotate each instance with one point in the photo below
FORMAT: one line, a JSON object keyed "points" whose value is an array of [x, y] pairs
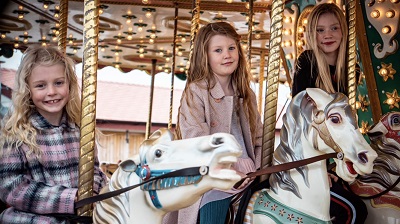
{"points": [[158, 153], [39, 86], [335, 28], [232, 48], [335, 118], [218, 50], [320, 31], [395, 120], [59, 83]]}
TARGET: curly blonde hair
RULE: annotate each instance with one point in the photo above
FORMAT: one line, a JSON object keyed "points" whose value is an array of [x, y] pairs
{"points": [[15, 127]]}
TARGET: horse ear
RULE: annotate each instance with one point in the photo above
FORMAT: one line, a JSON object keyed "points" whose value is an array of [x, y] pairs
{"points": [[128, 165], [162, 135], [319, 97]]}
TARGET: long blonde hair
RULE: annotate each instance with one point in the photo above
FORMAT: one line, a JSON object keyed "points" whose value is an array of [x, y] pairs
{"points": [[200, 69], [15, 127], [324, 80]]}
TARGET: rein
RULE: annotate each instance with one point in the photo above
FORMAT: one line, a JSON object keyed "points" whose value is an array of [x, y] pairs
{"points": [[288, 166], [192, 171]]}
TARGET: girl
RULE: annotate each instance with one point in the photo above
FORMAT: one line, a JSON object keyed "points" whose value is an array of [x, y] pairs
{"points": [[324, 67], [39, 143], [218, 98]]}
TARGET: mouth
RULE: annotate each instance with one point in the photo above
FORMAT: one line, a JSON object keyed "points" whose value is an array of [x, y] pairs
{"points": [[328, 43], [227, 63], [52, 101], [223, 168], [350, 168]]}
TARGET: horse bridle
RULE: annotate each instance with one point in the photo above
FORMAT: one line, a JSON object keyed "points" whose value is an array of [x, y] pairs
{"points": [[320, 126]]}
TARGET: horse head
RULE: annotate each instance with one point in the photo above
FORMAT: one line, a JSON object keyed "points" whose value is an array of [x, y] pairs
{"points": [[160, 154], [335, 122]]}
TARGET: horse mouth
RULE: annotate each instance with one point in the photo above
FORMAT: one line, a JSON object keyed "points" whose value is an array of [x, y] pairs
{"points": [[350, 168]]}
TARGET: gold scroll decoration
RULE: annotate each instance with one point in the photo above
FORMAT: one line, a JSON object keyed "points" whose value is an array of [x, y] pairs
{"points": [[351, 56], [88, 114], [62, 35], [272, 85]]}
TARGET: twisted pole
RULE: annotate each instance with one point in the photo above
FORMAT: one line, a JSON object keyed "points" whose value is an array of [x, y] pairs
{"points": [[272, 85], [171, 100], [88, 114], [153, 74], [194, 27], [250, 33], [351, 53], [62, 34], [261, 81]]}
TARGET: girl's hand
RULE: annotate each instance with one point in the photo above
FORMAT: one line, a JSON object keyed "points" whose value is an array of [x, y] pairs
{"points": [[333, 177]]}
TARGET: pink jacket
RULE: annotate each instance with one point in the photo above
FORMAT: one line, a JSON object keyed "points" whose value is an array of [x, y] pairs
{"points": [[211, 112]]}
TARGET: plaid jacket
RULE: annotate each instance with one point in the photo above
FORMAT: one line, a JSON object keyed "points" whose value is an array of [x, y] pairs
{"points": [[37, 186]]}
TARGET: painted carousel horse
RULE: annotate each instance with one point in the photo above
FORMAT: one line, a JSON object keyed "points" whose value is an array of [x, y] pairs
{"points": [[315, 123], [385, 139], [159, 155]]}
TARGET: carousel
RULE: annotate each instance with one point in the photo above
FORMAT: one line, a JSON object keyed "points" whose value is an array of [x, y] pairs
{"points": [[158, 35]]}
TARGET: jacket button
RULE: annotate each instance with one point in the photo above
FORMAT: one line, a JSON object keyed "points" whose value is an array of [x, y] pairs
{"points": [[217, 100], [213, 123]]}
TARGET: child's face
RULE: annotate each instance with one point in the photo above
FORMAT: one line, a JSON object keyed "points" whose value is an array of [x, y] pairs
{"points": [[223, 55], [329, 33], [49, 91]]}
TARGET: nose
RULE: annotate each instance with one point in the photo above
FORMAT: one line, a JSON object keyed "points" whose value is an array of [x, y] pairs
{"points": [[227, 54], [51, 90]]}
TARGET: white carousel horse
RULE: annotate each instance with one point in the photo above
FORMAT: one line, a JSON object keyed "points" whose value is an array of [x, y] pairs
{"points": [[385, 139], [159, 155], [315, 123]]}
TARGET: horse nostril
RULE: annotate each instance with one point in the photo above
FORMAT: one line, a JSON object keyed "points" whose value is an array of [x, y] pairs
{"points": [[218, 141], [363, 157]]}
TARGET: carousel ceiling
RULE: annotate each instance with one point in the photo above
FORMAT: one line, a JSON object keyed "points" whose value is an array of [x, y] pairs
{"points": [[133, 32]]}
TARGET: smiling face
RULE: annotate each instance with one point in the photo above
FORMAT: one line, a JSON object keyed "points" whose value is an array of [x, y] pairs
{"points": [[329, 34], [49, 91], [223, 55]]}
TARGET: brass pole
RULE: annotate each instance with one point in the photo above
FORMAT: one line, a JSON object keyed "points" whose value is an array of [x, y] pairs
{"points": [[171, 103], [250, 33], [62, 35], [153, 74], [272, 85], [351, 53], [88, 114], [261, 81], [194, 27]]}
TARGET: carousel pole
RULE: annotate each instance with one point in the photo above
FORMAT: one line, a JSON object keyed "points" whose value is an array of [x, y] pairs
{"points": [[62, 35], [88, 114], [261, 81], [250, 33], [194, 27], [272, 85], [173, 68], [153, 74], [351, 53]]}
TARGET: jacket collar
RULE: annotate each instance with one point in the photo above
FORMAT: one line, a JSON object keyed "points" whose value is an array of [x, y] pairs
{"points": [[40, 123]]}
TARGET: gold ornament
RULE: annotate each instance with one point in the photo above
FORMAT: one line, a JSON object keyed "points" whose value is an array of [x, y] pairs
{"points": [[364, 127], [362, 103], [386, 71], [392, 100]]}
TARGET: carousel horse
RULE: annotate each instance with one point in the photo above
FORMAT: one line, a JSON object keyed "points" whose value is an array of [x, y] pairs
{"points": [[159, 155], [315, 123], [385, 139]]}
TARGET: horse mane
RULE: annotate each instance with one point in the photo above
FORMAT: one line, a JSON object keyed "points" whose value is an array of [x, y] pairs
{"points": [[115, 209], [387, 162], [296, 122]]}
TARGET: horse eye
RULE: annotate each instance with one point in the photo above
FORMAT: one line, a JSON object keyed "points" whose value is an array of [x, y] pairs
{"points": [[335, 119], [158, 153]]}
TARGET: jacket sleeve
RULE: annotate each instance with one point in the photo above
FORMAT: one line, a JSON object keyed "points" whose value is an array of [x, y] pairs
{"points": [[302, 74], [192, 114], [100, 179], [18, 190]]}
